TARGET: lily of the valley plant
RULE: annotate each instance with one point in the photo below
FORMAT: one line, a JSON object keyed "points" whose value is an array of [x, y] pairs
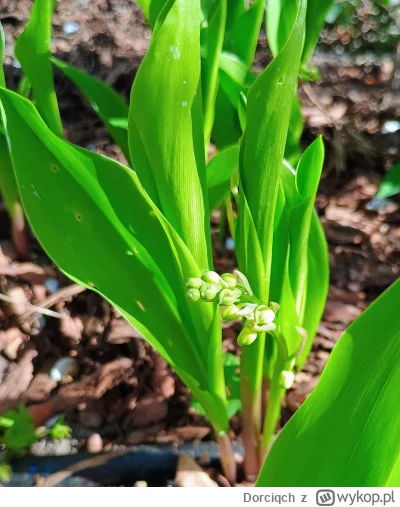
{"points": [[139, 234]]}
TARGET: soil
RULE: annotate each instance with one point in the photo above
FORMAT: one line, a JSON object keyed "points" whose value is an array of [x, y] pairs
{"points": [[119, 391]]}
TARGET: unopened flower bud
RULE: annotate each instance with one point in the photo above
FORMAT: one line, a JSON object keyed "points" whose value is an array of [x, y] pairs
{"points": [[211, 277], [287, 379], [209, 291], [230, 313], [228, 297], [229, 280], [193, 294], [246, 337], [264, 315], [194, 283]]}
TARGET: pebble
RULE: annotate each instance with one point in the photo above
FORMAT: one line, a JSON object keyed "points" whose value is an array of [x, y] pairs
{"points": [[94, 443]]}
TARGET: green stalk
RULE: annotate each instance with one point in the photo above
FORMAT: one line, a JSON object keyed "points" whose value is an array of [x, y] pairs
{"points": [[273, 408], [251, 376]]}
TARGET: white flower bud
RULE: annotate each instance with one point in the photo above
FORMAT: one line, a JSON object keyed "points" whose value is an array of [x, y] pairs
{"points": [[229, 280], [194, 283], [211, 277], [226, 298], [264, 315], [209, 291], [193, 294], [230, 313], [287, 379], [246, 337]]}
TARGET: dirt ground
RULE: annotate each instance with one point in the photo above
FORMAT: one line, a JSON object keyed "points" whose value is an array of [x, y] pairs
{"points": [[120, 389]]}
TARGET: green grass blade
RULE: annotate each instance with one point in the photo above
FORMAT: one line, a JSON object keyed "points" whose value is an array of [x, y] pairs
{"points": [[108, 104], [166, 129], [33, 50], [347, 433]]}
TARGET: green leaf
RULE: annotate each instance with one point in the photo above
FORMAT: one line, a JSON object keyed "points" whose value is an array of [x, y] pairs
{"points": [[243, 28], [21, 434], [317, 286], [269, 104], [166, 129], [307, 179], [84, 210], [219, 173], [347, 433], [33, 50], [390, 184], [151, 9], [212, 39], [60, 430], [108, 104], [316, 14], [280, 18]]}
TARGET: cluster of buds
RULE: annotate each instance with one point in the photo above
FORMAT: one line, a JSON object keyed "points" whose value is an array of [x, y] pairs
{"points": [[234, 294]]}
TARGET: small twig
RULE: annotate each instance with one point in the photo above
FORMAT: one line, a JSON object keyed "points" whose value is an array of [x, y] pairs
{"points": [[32, 308], [62, 294]]}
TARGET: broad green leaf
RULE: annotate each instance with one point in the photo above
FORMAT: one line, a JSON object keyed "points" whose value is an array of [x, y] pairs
{"points": [[166, 129], [212, 38], [94, 220], [219, 172], [347, 433], [390, 184], [2, 46], [108, 104], [269, 103], [33, 50], [307, 179]]}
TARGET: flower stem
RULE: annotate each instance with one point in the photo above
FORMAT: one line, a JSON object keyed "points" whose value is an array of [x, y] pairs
{"points": [[251, 374], [273, 408], [227, 456]]}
